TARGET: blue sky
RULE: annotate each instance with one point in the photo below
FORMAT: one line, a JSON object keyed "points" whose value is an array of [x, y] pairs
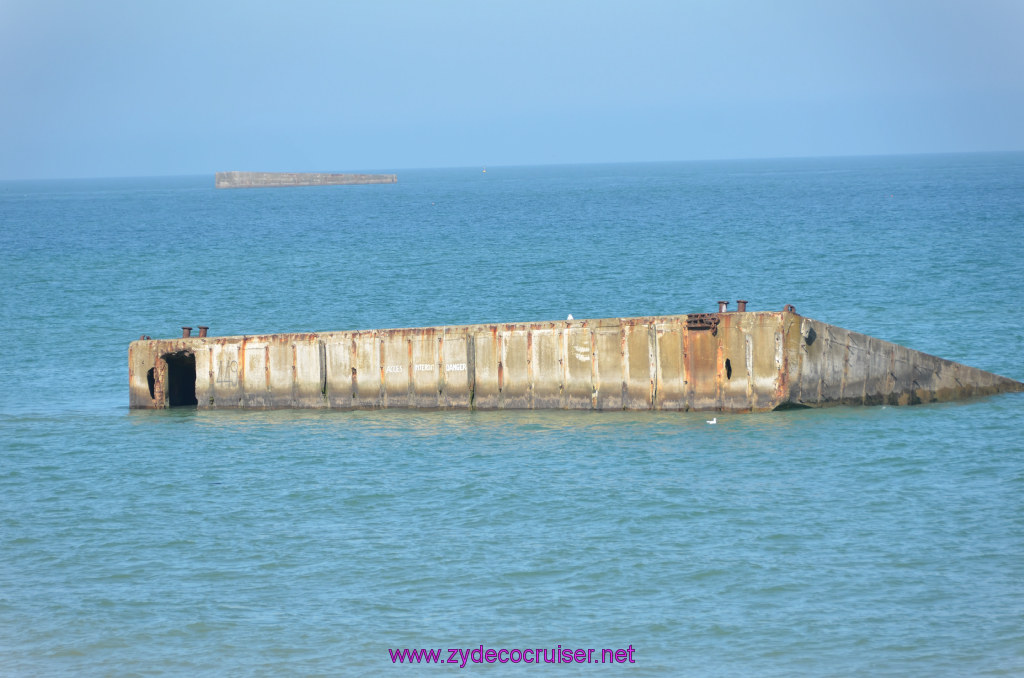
{"points": [[140, 88]]}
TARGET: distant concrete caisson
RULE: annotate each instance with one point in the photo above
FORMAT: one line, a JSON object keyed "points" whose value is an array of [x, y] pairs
{"points": [[716, 362], [282, 179]]}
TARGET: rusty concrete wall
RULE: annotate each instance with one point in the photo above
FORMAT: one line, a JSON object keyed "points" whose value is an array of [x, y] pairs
{"points": [[280, 179], [734, 362]]}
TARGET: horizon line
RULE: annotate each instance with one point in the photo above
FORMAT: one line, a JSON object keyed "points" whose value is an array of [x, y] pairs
{"points": [[525, 165]]}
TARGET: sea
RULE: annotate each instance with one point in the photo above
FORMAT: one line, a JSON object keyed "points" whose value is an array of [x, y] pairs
{"points": [[848, 541]]}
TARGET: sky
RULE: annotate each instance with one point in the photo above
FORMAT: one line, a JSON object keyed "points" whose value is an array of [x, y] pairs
{"points": [[116, 88]]}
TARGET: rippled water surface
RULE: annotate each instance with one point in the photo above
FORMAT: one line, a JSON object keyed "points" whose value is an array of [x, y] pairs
{"points": [[848, 541]]}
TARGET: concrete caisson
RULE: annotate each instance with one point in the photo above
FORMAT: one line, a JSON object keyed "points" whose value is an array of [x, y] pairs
{"points": [[724, 362], [284, 179]]}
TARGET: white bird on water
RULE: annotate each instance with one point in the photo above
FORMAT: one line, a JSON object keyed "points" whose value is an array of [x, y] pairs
{"points": [[712, 421]]}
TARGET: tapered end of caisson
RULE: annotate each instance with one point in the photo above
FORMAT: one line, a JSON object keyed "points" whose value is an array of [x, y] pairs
{"points": [[839, 367]]}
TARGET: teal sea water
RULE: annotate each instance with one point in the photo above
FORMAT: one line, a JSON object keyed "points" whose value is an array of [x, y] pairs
{"points": [[849, 541]]}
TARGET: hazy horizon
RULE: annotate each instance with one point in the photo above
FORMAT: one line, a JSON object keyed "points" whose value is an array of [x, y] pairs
{"points": [[499, 167], [123, 89]]}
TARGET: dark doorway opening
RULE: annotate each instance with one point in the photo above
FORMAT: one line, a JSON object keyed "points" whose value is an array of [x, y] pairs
{"points": [[181, 379]]}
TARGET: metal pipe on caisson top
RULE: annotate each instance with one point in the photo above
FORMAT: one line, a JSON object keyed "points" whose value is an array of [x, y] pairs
{"points": [[743, 361]]}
